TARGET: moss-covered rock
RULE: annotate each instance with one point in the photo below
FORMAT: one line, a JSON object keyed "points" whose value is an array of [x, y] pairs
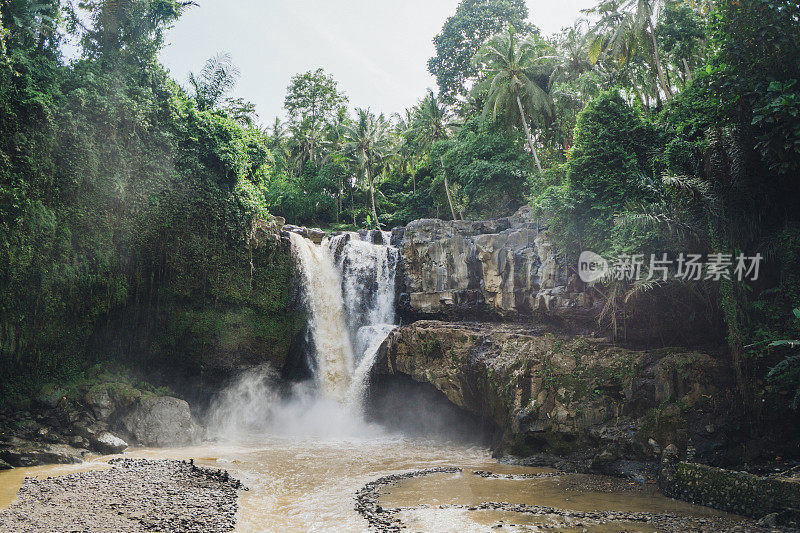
{"points": [[222, 304], [548, 393], [737, 492]]}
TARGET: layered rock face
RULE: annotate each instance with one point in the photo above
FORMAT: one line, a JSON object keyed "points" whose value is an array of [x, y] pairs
{"points": [[564, 395], [503, 267]]}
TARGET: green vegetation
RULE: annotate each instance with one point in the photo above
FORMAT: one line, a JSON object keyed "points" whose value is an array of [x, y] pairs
{"points": [[129, 206], [121, 195]]}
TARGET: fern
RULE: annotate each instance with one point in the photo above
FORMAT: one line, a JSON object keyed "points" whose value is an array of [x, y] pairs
{"points": [[787, 373]]}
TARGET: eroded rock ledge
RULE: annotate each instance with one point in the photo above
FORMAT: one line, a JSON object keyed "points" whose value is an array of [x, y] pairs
{"points": [[501, 267], [605, 406]]}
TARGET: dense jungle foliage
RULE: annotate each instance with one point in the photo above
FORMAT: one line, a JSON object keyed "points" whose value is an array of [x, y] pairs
{"points": [[649, 126]]}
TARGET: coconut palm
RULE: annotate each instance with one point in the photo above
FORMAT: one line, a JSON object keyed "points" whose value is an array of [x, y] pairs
{"points": [[333, 143], [218, 77], [510, 66], [406, 148], [431, 123], [625, 27], [368, 143], [573, 58]]}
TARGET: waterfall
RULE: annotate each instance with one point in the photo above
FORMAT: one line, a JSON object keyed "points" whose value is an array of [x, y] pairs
{"points": [[322, 283], [349, 287]]}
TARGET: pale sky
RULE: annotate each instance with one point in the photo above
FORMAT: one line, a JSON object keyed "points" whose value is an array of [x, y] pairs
{"points": [[376, 49]]}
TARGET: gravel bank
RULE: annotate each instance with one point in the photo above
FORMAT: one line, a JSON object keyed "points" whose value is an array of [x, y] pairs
{"points": [[135, 495]]}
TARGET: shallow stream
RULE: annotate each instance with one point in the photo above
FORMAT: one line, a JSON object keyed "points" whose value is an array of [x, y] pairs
{"points": [[309, 485]]}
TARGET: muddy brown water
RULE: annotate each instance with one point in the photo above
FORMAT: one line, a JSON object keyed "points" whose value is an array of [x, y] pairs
{"points": [[309, 485]]}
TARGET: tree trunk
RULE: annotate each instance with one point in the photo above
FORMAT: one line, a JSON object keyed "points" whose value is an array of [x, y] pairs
{"points": [[688, 71], [339, 199], [657, 60], [352, 200], [447, 189], [528, 134], [639, 95], [372, 197]]}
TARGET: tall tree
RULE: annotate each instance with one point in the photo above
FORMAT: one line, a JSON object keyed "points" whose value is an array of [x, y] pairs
{"points": [[312, 100], [509, 64], [462, 36], [133, 28], [627, 26]]}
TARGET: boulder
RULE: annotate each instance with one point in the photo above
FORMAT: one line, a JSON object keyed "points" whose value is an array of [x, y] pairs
{"points": [[48, 435], [50, 396], [296, 229], [161, 421], [79, 442], [99, 401], [18, 452], [110, 399], [108, 443], [315, 235]]}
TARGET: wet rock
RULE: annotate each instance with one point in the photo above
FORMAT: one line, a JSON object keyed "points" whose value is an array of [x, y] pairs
{"points": [[161, 421], [18, 452], [108, 443], [563, 394], [79, 442], [296, 229], [48, 435], [99, 401], [603, 461], [50, 395], [501, 267], [315, 235], [4, 465], [107, 400]]}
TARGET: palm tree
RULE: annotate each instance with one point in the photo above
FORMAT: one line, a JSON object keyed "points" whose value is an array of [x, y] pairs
{"points": [[573, 58], [509, 66], [626, 26], [218, 77], [368, 144], [407, 145], [334, 139], [431, 120]]}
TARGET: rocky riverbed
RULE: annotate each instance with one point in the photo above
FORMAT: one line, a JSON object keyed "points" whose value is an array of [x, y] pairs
{"points": [[135, 495], [524, 517]]}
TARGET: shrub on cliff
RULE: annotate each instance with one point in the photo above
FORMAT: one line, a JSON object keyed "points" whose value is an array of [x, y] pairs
{"points": [[609, 166]]}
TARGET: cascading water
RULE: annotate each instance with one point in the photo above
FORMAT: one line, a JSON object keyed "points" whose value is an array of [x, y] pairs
{"points": [[349, 285], [349, 290], [322, 284], [368, 286]]}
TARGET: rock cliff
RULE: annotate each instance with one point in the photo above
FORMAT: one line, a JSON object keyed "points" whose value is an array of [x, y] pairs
{"points": [[546, 393], [501, 267]]}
